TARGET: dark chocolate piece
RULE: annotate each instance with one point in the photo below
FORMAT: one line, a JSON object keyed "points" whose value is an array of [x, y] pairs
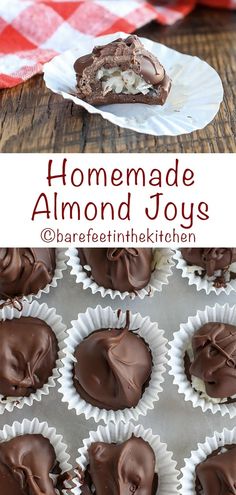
{"points": [[211, 260], [214, 348], [113, 368], [126, 468], [122, 269], [25, 271], [28, 354], [122, 71], [216, 475], [26, 463]]}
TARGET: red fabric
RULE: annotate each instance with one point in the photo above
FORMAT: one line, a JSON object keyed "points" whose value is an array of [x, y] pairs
{"points": [[33, 31]]}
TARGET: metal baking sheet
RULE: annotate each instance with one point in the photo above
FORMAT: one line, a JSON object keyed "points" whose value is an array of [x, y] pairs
{"points": [[176, 421]]}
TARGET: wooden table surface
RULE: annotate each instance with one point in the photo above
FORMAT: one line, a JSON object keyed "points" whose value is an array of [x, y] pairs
{"points": [[32, 119]]}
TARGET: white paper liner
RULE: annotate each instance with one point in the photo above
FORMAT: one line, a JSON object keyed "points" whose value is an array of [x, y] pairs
{"points": [[118, 433], [43, 312], [193, 102], [197, 456], [162, 264], [60, 266], [35, 427], [95, 319], [201, 283], [182, 341]]}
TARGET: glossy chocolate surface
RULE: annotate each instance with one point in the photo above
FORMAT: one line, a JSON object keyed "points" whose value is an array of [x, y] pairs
{"points": [[127, 54], [217, 475], [214, 347], [26, 463], [122, 269], [25, 271], [113, 368], [127, 468], [211, 259], [28, 354]]}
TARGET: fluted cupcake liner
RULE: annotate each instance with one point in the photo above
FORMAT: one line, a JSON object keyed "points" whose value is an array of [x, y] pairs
{"points": [[201, 283], [95, 319], [188, 480], [58, 274], [182, 342], [162, 269], [56, 440], [43, 312], [117, 433]]}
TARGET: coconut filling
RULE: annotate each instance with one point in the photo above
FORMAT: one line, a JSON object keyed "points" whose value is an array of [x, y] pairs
{"points": [[218, 273], [127, 82], [200, 387]]}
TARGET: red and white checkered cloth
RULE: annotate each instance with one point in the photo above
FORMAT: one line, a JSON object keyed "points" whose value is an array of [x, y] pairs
{"points": [[33, 31]]}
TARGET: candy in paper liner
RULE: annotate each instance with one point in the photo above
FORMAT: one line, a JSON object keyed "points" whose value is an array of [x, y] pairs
{"points": [[193, 102], [201, 283], [35, 427], [117, 433], [60, 266], [162, 269], [182, 342], [43, 312], [95, 319], [226, 437]]}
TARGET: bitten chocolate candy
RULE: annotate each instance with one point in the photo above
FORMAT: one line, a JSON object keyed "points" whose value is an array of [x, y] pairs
{"points": [[217, 475], [113, 368], [25, 271], [126, 468], [122, 71], [28, 354], [214, 347], [122, 269]]}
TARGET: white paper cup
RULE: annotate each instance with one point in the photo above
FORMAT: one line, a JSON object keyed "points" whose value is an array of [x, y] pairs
{"points": [[226, 437], [95, 319], [204, 283], [58, 274], [162, 269], [193, 102], [43, 312], [35, 427], [117, 433], [182, 342]]}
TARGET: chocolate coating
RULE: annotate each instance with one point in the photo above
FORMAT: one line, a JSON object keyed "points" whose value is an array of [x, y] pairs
{"points": [[113, 368], [122, 269], [25, 464], [211, 260], [28, 354], [214, 347], [216, 475], [25, 271], [126, 468], [127, 54]]}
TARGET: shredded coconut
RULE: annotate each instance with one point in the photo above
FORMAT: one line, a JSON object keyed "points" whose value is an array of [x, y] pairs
{"points": [[126, 82]]}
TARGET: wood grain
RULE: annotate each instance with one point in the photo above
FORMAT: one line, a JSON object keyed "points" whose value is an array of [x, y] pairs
{"points": [[32, 119]]}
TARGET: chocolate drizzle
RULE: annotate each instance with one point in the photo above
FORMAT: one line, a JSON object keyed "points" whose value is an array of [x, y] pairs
{"points": [[113, 368], [214, 347], [216, 475], [211, 260], [122, 269]]}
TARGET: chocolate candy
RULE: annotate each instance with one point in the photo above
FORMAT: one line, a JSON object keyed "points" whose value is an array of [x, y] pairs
{"points": [[113, 368], [212, 260], [25, 271], [28, 354], [214, 347], [26, 463], [122, 269], [126, 468], [122, 71], [216, 475]]}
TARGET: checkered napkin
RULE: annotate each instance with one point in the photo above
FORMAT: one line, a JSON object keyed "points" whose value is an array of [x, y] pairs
{"points": [[33, 31]]}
